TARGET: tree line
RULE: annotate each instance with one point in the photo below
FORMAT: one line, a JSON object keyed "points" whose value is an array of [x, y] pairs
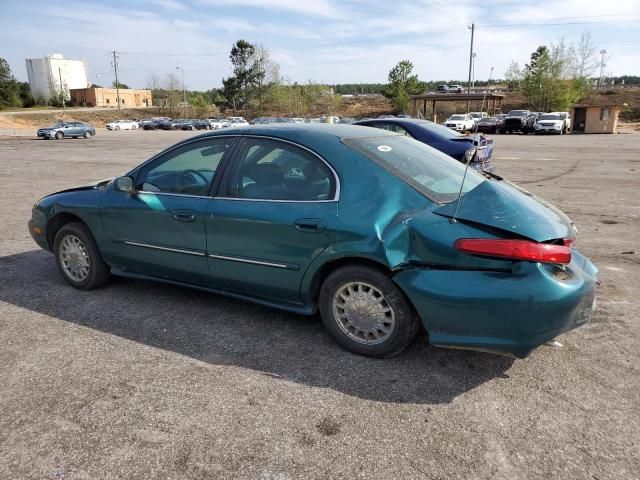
{"points": [[12, 92], [557, 75]]}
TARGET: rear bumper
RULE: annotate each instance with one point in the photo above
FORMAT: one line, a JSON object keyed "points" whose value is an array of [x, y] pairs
{"points": [[507, 313]]}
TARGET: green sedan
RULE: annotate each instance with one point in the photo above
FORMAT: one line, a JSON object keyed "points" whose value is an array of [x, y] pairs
{"points": [[379, 233]]}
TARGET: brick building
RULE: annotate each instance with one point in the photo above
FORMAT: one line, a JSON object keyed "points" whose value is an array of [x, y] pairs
{"points": [[108, 97]]}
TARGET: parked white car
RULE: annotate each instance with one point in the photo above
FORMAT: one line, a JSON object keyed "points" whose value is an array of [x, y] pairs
{"points": [[237, 122], [123, 125], [554, 122], [460, 122], [217, 123], [477, 116]]}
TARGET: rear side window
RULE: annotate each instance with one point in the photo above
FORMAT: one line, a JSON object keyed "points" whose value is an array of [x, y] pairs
{"points": [[272, 170], [431, 172], [392, 127]]}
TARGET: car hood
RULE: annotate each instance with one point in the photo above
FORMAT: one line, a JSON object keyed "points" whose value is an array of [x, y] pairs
{"points": [[505, 206], [90, 186]]}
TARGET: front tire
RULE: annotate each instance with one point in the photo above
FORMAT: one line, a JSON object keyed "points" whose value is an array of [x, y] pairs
{"points": [[366, 313], [59, 135], [87, 134], [78, 258]]}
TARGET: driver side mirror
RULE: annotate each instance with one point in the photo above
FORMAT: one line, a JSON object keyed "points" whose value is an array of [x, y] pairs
{"points": [[123, 184]]}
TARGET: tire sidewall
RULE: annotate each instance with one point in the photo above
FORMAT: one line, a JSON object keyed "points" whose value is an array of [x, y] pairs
{"points": [[406, 320], [87, 135]]}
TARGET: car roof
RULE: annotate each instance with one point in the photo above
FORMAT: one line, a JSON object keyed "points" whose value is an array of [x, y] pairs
{"points": [[297, 131]]}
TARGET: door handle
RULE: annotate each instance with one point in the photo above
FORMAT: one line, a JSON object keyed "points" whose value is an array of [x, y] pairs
{"points": [[184, 215], [310, 225]]}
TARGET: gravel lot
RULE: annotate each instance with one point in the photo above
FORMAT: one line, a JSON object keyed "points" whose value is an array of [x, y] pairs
{"points": [[140, 380]]}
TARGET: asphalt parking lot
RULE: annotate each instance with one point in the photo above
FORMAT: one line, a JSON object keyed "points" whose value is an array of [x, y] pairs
{"points": [[140, 380]]}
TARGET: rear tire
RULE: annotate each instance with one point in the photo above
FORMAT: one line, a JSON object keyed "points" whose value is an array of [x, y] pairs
{"points": [[78, 258], [366, 313]]}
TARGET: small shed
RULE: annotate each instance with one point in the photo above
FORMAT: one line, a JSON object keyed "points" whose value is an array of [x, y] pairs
{"points": [[492, 101], [595, 118]]}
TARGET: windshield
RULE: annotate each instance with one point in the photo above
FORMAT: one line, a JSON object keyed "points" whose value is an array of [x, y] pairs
{"points": [[456, 117], [550, 117], [488, 120], [431, 172], [475, 115], [517, 113]]}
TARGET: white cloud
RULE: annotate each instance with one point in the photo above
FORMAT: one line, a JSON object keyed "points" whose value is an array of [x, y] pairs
{"points": [[168, 4], [321, 8]]}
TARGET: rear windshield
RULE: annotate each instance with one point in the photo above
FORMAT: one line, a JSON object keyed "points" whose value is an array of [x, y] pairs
{"points": [[431, 172]]}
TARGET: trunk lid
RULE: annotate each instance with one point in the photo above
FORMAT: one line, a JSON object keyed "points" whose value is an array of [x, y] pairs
{"points": [[505, 206]]}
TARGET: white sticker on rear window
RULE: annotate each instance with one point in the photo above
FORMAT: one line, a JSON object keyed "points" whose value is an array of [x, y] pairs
{"points": [[385, 148]]}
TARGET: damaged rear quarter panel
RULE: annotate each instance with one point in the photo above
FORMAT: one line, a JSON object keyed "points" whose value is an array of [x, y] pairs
{"points": [[383, 219]]}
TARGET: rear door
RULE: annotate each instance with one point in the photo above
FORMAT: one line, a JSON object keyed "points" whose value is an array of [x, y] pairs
{"points": [[275, 212]]}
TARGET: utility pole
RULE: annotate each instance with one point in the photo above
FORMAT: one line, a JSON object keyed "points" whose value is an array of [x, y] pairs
{"points": [[61, 89], [472, 27], [602, 65], [473, 70], [184, 94], [115, 67]]}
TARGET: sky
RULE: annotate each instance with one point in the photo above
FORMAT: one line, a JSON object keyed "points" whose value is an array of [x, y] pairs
{"points": [[326, 41]]}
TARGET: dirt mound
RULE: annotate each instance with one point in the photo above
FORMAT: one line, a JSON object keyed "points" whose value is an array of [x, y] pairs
{"points": [[98, 118]]}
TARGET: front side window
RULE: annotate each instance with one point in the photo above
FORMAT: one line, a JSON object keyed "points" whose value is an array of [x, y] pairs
{"points": [[188, 170], [426, 169], [273, 170]]}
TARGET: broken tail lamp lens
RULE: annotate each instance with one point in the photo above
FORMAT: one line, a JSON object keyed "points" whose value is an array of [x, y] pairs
{"points": [[515, 250]]}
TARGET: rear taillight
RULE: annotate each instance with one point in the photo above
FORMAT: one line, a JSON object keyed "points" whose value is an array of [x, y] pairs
{"points": [[514, 250]]}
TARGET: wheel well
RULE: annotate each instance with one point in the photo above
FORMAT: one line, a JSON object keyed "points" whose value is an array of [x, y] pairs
{"points": [[57, 222], [329, 267]]}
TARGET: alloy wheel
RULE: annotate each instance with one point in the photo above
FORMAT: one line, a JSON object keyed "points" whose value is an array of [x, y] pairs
{"points": [[363, 313], [74, 258]]}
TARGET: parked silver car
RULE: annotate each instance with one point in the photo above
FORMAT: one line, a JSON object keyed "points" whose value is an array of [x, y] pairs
{"points": [[61, 130]]}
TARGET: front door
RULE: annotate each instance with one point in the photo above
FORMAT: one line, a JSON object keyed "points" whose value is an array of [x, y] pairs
{"points": [[276, 210], [159, 229]]}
